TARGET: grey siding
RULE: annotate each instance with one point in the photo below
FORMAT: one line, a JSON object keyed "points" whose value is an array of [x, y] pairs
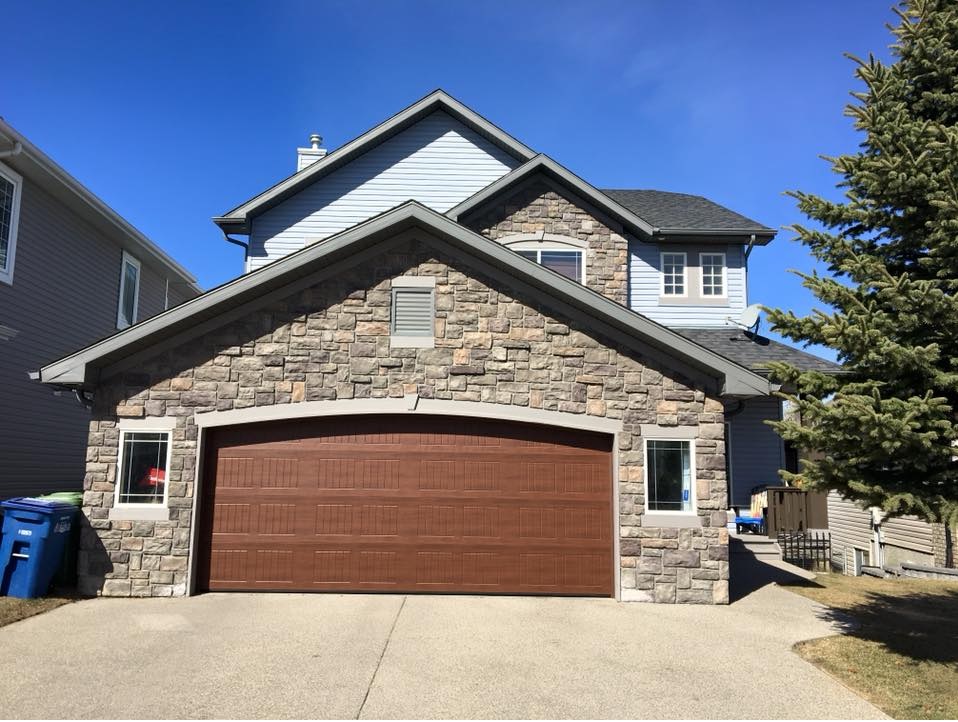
{"points": [[645, 285], [850, 527], [439, 162], [756, 451], [903, 539], [907, 539], [64, 296]]}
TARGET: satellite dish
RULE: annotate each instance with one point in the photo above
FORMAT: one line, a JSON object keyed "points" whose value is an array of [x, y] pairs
{"points": [[750, 318]]}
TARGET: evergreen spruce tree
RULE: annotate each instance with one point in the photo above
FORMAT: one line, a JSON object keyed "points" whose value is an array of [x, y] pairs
{"points": [[887, 427]]}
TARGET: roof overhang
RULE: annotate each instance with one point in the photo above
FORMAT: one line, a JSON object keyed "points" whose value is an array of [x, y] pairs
{"points": [[238, 219], [714, 235], [34, 164], [361, 243], [542, 165]]}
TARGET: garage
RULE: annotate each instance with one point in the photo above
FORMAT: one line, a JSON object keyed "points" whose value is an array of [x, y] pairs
{"points": [[407, 503]]}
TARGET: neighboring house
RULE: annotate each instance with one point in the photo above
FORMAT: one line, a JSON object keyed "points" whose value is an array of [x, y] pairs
{"points": [[866, 537], [71, 272], [453, 365]]}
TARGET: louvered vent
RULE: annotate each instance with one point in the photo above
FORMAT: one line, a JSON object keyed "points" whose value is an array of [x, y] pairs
{"points": [[413, 312]]}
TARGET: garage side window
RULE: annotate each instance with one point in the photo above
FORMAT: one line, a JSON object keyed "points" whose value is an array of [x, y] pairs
{"points": [[668, 475], [143, 467]]}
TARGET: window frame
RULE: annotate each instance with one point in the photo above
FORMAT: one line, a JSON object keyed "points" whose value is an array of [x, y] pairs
{"points": [[685, 274], [7, 173], [540, 249], [133, 261], [121, 455], [724, 275], [693, 504], [413, 284]]}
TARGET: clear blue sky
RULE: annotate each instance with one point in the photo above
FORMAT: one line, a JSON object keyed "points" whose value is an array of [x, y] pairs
{"points": [[174, 112]]}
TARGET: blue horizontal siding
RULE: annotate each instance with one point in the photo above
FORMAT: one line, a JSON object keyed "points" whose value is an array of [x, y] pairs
{"points": [[438, 161], [645, 286]]}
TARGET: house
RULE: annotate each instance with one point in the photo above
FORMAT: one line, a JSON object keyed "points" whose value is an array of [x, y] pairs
{"points": [[71, 272], [863, 537], [452, 365]]}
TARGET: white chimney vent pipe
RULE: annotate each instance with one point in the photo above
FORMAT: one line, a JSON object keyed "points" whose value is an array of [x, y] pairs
{"points": [[305, 157]]}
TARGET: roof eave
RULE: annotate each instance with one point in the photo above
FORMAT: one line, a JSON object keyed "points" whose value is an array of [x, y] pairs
{"points": [[542, 163], [97, 206], [762, 236]]}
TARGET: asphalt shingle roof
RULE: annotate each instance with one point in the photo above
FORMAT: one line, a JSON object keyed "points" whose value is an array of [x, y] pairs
{"points": [[683, 211], [755, 352]]}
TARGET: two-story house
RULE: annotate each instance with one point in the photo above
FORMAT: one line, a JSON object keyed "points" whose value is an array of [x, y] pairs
{"points": [[452, 365], [71, 272]]}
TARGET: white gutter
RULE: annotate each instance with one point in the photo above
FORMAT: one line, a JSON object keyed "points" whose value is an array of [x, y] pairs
{"points": [[15, 150]]}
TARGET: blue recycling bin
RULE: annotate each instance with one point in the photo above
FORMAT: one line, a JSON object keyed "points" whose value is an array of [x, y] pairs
{"points": [[35, 532]]}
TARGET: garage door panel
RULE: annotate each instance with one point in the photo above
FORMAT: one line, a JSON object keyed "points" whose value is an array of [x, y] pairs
{"points": [[402, 504]]}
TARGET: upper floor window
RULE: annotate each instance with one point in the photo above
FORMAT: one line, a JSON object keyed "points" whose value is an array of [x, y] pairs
{"points": [[10, 185], [129, 291], [673, 274], [566, 262], [713, 274]]}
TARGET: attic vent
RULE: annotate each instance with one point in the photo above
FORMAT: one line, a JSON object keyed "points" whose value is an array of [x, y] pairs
{"points": [[412, 321], [412, 312]]}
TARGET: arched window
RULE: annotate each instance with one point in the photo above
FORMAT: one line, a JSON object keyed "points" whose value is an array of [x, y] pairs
{"points": [[561, 254]]}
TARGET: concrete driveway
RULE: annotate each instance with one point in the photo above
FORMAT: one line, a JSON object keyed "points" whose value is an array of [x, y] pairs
{"points": [[377, 656]]}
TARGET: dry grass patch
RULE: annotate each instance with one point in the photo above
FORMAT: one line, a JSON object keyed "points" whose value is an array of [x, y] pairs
{"points": [[899, 648], [13, 609]]}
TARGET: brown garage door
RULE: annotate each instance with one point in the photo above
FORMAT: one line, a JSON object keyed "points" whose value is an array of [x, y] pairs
{"points": [[407, 504]]}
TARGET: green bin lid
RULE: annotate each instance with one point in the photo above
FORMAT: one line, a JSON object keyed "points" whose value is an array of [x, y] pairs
{"points": [[70, 497]]}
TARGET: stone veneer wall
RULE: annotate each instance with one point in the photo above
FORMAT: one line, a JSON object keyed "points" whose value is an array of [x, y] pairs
{"points": [[538, 207], [332, 342]]}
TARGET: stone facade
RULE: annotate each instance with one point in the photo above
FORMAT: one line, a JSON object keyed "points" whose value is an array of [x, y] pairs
{"points": [[331, 342], [538, 207]]}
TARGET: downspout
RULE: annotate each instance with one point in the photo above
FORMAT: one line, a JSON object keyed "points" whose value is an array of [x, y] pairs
{"points": [[15, 150], [241, 244], [748, 252]]}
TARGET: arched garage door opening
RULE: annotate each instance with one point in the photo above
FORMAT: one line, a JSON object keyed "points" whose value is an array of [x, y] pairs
{"points": [[407, 503]]}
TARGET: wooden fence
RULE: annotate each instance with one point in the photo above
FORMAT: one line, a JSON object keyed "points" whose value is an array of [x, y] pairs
{"points": [[808, 550], [791, 509]]}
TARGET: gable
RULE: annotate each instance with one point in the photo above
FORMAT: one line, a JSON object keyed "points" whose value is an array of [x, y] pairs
{"points": [[541, 213], [438, 161]]}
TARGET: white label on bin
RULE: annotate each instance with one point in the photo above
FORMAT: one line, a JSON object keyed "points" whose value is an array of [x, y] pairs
{"points": [[25, 532], [62, 526]]}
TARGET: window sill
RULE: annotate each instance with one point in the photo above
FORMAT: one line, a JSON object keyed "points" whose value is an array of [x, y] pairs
{"points": [[157, 512], [717, 301], [672, 519], [412, 341]]}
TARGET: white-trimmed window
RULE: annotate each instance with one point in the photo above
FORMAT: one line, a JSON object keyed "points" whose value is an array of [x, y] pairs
{"points": [[669, 475], [129, 291], [143, 467], [569, 263], [713, 274], [673, 274], [412, 318], [11, 185]]}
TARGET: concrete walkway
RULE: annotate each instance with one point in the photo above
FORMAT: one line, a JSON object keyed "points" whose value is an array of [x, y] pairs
{"points": [[379, 656]]}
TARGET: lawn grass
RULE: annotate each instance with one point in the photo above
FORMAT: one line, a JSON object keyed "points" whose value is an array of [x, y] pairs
{"points": [[13, 609], [899, 648]]}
